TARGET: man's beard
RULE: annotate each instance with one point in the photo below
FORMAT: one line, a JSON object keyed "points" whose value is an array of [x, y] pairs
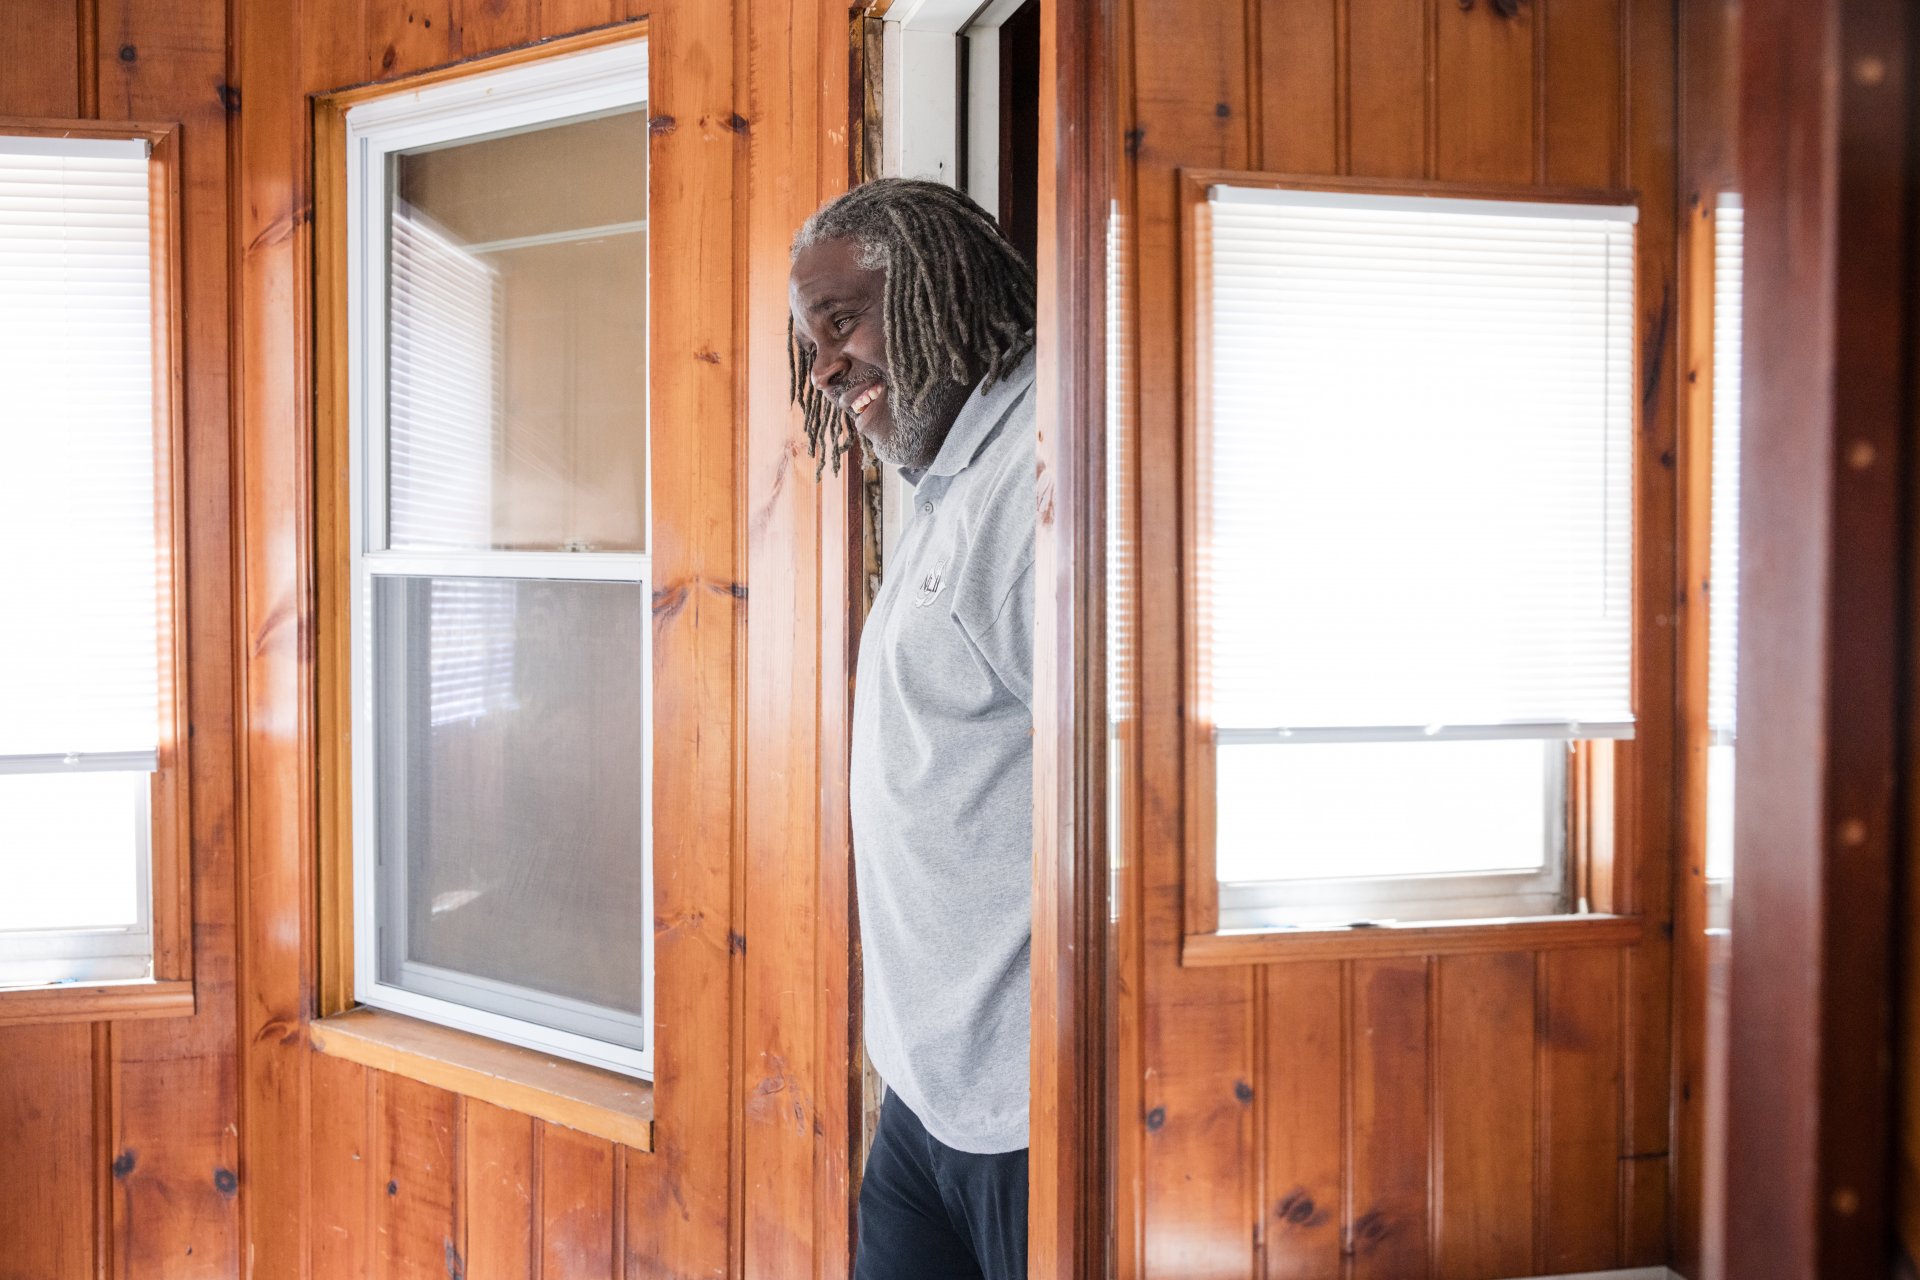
{"points": [[914, 440]]}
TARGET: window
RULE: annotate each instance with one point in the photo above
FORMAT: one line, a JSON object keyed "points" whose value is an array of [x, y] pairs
{"points": [[1412, 547], [500, 598], [1723, 629], [92, 798]]}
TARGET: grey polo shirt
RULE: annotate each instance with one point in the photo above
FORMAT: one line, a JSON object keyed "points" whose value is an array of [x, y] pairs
{"points": [[941, 794]]}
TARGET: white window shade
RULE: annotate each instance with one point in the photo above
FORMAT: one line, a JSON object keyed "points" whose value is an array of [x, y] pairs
{"points": [[79, 651], [1416, 493], [1723, 643]]}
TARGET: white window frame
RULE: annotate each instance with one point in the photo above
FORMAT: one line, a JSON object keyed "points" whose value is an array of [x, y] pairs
{"points": [[545, 92], [31, 958], [1454, 896]]}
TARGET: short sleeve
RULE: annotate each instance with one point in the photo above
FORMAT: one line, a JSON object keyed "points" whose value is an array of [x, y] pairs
{"points": [[1006, 642]]}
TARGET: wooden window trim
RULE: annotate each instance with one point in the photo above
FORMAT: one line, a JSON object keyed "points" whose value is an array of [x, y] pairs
{"points": [[169, 992], [560, 1091], [1601, 837]]}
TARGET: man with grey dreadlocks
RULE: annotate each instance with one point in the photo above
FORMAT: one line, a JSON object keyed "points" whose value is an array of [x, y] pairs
{"points": [[912, 328]]}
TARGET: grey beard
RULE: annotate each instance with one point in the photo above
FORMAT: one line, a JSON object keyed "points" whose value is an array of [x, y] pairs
{"points": [[914, 441]]}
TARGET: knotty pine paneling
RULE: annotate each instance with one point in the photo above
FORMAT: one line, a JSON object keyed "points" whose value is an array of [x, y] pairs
{"points": [[1468, 1116], [121, 1151]]}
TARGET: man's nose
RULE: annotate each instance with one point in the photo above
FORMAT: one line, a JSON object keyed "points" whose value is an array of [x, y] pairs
{"points": [[828, 367]]}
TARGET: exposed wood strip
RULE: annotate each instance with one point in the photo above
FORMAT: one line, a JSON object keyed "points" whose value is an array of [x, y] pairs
{"points": [[1389, 1050], [576, 1206], [1485, 1169], [119, 1002], [343, 1169], [1577, 1184], [1301, 1104], [1411, 939]]}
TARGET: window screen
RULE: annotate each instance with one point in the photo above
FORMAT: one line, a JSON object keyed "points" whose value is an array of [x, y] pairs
{"points": [[1414, 525], [83, 583]]}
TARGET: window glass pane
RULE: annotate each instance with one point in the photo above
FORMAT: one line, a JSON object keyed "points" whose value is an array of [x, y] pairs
{"points": [[511, 796], [79, 645], [1307, 811], [72, 849], [517, 340]]}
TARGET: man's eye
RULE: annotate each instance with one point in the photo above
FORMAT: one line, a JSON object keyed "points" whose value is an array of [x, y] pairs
{"points": [[841, 324]]}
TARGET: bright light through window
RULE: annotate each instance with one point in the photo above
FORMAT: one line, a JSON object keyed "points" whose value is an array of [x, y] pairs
{"points": [[80, 653], [1414, 561]]}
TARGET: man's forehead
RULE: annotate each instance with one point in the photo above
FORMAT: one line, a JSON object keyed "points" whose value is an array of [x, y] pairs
{"points": [[828, 273]]}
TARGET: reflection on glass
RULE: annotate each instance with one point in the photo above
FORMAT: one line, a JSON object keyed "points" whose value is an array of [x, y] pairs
{"points": [[512, 796], [517, 340]]}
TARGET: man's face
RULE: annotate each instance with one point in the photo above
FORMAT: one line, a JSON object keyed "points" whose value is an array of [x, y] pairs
{"points": [[838, 305]]}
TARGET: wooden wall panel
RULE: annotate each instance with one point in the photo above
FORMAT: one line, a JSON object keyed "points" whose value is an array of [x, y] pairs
{"points": [[1388, 90], [1482, 1115], [1388, 1226], [41, 40], [415, 1170], [577, 1210], [344, 1184], [1484, 1070], [1484, 88], [499, 1177], [47, 1183], [1301, 1102]]}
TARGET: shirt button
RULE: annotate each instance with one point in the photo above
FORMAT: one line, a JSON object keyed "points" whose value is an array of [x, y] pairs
{"points": [[926, 508]]}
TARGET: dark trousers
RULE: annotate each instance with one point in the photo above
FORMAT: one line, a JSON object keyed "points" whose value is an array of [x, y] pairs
{"points": [[928, 1212]]}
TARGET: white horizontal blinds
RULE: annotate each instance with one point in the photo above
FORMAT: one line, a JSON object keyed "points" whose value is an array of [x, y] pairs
{"points": [[1723, 644], [79, 642], [443, 408], [1417, 489]]}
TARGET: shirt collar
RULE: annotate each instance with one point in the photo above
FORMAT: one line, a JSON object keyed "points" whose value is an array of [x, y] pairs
{"points": [[978, 417]]}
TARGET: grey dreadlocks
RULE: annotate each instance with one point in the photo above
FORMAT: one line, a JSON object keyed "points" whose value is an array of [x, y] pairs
{"points": [[959, 300]]}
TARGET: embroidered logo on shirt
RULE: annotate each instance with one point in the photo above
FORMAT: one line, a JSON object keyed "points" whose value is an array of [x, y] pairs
{"points": [[930, 587]]}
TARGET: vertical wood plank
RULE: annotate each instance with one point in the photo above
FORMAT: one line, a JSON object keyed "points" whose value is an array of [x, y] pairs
{"points": [[1485, 1020], [677, 1198], [1301, 1093], [1388, 1228], [1644, 1211], [1484, 93], [333, 45], [1299, 86], [271, 449], [41, 40], [1582, 71], [175, 1080], [343, 1172], [498, 1177], [576, 1205], [1198, 1176], [1386, 86], [1578, 1197], [487, 25], [415, 1171], [404, 36], [564, 17], [46, 1132]]}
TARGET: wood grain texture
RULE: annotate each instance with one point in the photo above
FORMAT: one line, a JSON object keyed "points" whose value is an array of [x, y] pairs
{"points": [[47, 1125], [344, 1181], [499, 1178], [415, 1173], [1483, 76], [1301, 1102], [1299, 74], [1388, 1225], [1484, 1016], [1827, 121], [43, 53], [1577, 1195], [577, 1209], [1387, 88]]}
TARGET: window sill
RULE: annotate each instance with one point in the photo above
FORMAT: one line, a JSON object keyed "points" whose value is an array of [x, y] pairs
{"points": [[96, 1002], [1414, 938], [602, 1103]]}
